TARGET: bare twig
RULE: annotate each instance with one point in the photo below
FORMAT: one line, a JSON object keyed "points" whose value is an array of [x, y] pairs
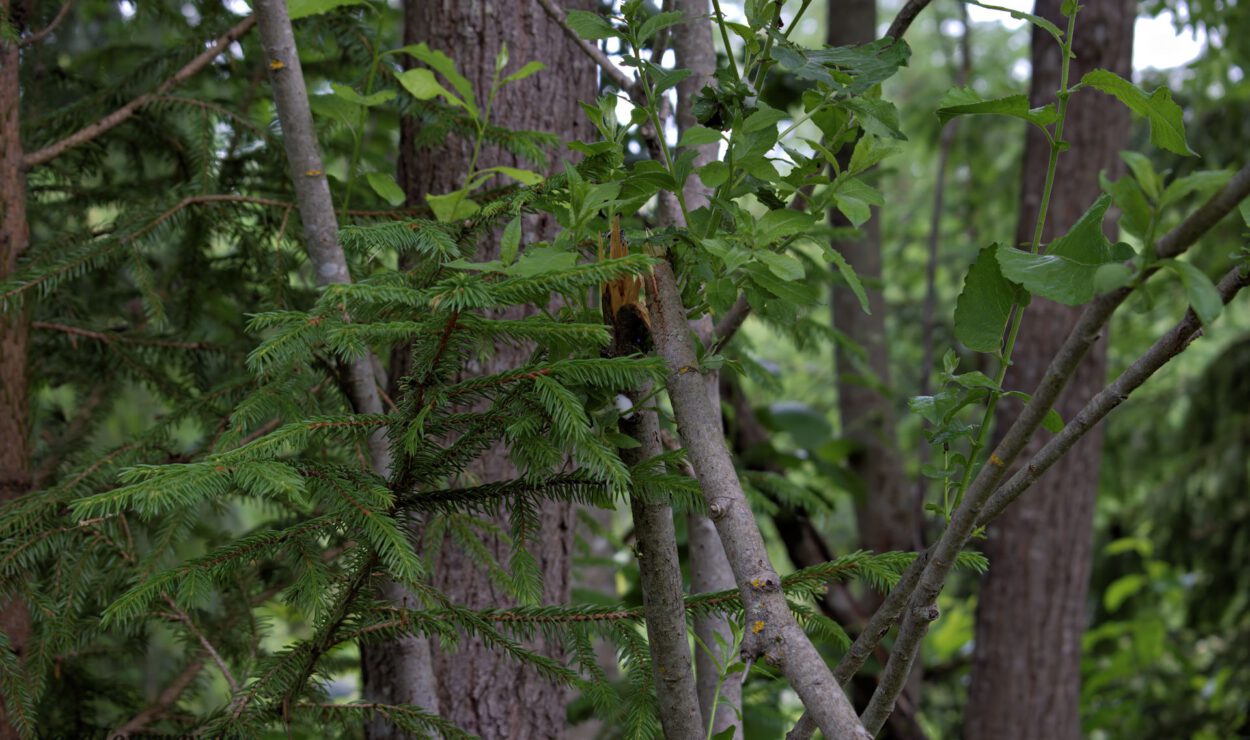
{"points": [[158, 708], [43, 33], [903, 20], [181, 615], [109, 338], [731, 322], [122, 114]]}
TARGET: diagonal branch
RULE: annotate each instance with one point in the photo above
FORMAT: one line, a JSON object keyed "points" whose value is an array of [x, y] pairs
{"points": [[904, 19], [618, 77], [122, 114], [43, 33]]}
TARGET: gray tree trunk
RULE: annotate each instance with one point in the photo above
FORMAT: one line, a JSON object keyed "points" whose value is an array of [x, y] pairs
{"points": [[480, 690], [1030, 615]]}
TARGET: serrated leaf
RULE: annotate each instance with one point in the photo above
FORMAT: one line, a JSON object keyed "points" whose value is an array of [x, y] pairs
{"points": [[1167, 124], [762, 119], [964, 101], [869, 152], [876, 116], [781, 223], [590, 26], [668, 78], [1144, 172], [1203, 183], [794, 292], [714, 174], [386, 187], [1204, 298], [984, 305], [1135, 212], [1066, 272], [849, 275], [782, 265]]}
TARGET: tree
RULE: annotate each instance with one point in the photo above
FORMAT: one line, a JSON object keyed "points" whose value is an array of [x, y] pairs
{"points": [[481, 690], [1032, 606]]}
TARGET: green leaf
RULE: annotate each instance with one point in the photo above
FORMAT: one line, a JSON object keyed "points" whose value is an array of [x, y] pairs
{"points": [[1144, 173], [297, 9], [781, 223], [1121, 589], [510, 241], [657, 22], [522, 176], [876, 116], [668, 78], [763, 118], [1203, 183], [782, 265], [1204, 298], [1051, 422], [720, 294], [869, 152], [1111, 276], [1136, 213], [351, 96], [451, 207], [1167, 125], [542, 260], [527, 70], [1036, 20], [1066, 272], [854, 198], [699, 136], [985, 304], [385, 186], [590, 26], [976, 379], [422, 85], [848, 274], [713, 174], [963, 101], [793, 292], [445, 66]]}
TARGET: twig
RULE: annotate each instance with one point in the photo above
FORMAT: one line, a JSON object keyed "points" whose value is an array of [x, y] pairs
{"points": [[903, 20], [122, 114], [731, 322], [1160, 353], [167, 699], [182, 616], [42, 33], [560, 18], [1082, 336], [107, 338]]}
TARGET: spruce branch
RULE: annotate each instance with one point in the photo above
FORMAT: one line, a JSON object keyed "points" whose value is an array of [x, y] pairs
{"points": [[122, 114], [36, 37]]}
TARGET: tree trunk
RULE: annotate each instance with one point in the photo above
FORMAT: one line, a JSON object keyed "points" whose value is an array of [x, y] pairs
{"points": [[14, 329], [1030, 615], [480, 690]]}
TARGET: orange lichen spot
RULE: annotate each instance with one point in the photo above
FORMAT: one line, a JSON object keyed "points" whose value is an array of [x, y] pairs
{"points": [[758, 627], [995, 459], [757, 583], [276, 65], [314, 173]]}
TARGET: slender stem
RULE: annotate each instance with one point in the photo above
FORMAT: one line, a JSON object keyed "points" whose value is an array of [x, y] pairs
{"points": [[724, 35], [1052, 164], [359, 143]]}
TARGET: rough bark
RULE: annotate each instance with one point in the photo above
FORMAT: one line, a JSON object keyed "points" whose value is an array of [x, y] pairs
{"points": [[1030, 615], [413, 682], [480, 690], [14, 327], [662, 592], [771, 634], [709, 568]]}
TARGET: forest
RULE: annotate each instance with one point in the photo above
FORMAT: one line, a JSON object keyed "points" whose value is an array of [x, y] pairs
{"points": [[597, 369]]}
